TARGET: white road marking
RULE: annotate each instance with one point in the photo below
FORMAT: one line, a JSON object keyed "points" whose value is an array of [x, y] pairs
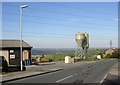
{"points": [[64, 78], [76, 74], [103, 78]]}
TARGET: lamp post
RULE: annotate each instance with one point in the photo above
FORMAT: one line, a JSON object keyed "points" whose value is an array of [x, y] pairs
{"points": [[21, 56]]}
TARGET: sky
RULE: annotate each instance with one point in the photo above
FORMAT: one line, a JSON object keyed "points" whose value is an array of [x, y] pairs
{"points": [[54, 24]]}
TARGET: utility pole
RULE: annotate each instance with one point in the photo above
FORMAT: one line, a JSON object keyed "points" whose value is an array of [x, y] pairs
{"points": [[110, 43]]}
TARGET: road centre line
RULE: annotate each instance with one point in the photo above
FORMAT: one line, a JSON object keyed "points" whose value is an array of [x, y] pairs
{"points": [[64, 78], [76, 74]]}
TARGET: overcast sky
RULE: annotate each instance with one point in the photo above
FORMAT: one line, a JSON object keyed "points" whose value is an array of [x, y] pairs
{"points": [[54, 24]]}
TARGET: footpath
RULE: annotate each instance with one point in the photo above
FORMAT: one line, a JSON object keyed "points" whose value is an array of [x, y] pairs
{"points": [[113, 77], [30, 71]]}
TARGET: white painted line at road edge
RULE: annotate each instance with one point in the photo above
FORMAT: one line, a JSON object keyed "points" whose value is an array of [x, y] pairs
{"points": [[103, 78], [64, 78]]}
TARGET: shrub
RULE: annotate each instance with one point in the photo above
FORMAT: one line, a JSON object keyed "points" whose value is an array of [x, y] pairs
{"points": [[116, 54], [108, 56], [91, 59], [50, 60], [34, 60]]}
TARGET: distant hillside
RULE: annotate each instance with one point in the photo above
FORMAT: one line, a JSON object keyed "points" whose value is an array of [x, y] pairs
{"points": [[45, 51]]}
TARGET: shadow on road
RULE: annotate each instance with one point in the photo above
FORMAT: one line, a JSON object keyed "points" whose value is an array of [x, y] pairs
{"points": [[111, 80]]}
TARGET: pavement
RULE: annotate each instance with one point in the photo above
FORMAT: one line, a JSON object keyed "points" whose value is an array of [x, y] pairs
{"points": [[113, 77], [32, 70], [44, 68]]}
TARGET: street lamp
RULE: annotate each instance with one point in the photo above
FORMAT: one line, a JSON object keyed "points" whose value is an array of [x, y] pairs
{"points": [[21, 56]]}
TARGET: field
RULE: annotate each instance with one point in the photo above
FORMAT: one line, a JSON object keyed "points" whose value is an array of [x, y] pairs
{"points": [[57, 57]]}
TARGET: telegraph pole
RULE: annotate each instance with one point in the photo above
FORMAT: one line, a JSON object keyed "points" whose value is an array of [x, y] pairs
{"points": [[110, 43]]}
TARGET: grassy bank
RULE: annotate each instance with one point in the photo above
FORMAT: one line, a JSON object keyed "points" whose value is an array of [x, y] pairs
{"points": [[57, 57], [61, 56]]}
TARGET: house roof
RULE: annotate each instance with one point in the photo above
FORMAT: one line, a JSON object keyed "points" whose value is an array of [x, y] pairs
{"points": [[13, 43]]}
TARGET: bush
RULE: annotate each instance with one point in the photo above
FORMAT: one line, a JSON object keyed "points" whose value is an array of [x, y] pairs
{"points": [[34, 61], [46, 59], [91, 59], [50, 60], [108, 56], [116, 54]]}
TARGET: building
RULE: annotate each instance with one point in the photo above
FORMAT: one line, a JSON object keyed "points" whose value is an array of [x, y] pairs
{"points": [[10, 49]]}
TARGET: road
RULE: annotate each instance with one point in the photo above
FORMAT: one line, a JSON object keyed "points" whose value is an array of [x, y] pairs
{"points": [[87, 73]]}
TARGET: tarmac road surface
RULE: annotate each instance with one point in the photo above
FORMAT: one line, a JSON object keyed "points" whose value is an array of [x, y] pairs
{"points": [[88, 73]]}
